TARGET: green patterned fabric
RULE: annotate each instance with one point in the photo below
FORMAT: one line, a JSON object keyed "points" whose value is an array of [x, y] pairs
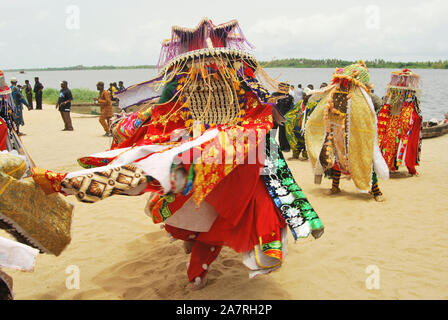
{"points": [[294, 130], [287, 195], [358, 71]]}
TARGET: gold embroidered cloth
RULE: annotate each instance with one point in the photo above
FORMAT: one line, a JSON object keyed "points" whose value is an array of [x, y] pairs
{"points": [[361, 138], [39, 220]]}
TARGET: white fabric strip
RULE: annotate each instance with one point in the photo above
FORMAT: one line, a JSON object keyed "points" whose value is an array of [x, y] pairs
{"points": [[125, 156], [16, 255], [379, 164], [157, 165]]}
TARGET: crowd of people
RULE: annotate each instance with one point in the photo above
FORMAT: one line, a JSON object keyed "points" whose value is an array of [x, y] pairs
{"points": [[114, 88], [295, 104], [395, 119], [23, 95]]}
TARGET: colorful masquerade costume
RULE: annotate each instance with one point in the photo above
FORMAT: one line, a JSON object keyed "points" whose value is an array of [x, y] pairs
{"points": [[400, 122], [341, 133], [295, 126], [204, 153]]}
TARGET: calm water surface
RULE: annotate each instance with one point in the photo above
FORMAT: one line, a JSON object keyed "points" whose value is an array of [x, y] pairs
{"points": [[434, 83]]}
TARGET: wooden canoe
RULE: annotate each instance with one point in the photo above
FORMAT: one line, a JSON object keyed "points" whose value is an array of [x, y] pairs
{"points": [[434, 131]]}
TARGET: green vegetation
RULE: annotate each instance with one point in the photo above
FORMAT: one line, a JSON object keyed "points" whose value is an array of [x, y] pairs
{"points": [[334, 63], [50, 95], [283, 63], [81, 67]]}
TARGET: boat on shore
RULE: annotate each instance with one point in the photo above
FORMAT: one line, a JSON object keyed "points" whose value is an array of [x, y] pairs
{"points": [[431, 130]]}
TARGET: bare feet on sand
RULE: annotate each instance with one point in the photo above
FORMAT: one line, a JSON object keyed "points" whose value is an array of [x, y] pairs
{"points": [[379, 198], [188, 245], [197, 284], [334, 190]]}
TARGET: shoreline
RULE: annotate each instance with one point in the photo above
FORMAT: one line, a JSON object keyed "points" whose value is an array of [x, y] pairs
{"points": [[280, 63], [264, 67]]}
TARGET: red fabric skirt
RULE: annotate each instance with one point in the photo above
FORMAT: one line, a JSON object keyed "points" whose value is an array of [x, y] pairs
{"points": [[412, 151], [245, 211], [3, 134]]}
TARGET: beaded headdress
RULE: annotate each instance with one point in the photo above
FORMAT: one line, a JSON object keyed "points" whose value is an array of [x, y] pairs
{"points": [[404, 85], [186, 42], [202, 56], [404, 79], [357, 73]]}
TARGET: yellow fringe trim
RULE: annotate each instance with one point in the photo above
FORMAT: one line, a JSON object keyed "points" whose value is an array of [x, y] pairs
{"points": [[6, 185], [23, 164]]}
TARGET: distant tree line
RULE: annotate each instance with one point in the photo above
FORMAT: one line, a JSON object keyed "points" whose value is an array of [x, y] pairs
{"points": [[333, 63], [283, 63], [81, 67]]}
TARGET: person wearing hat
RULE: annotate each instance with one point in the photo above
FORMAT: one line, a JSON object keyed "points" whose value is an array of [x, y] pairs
{"points": [[38, 87], [284, 104], [18, 101], [64, 104], [105, 102]]}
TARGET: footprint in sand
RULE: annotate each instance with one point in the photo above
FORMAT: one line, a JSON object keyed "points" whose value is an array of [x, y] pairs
{"points": [[230, 262], [214, 273]]}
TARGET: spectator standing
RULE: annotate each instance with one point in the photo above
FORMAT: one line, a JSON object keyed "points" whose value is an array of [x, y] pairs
{"points": [[18, 101], [299, 92], [38, 88], [64, 104], [28, 94], [105, 102]]}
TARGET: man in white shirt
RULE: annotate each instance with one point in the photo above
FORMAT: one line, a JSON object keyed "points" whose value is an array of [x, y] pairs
{"points": [[297, 94]]}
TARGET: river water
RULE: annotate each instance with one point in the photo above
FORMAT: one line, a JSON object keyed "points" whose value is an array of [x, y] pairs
{"points": [[433, 82]]}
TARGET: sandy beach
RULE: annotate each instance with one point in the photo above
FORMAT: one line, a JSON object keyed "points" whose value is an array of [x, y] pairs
{"points": [[121, 254]]}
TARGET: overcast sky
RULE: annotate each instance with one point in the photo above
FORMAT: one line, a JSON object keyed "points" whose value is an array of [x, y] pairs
{"points": [[48, 33]]}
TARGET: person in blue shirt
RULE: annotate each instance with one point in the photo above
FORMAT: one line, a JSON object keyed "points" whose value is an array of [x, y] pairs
{"points": [[18, 101], [64, 104]]}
